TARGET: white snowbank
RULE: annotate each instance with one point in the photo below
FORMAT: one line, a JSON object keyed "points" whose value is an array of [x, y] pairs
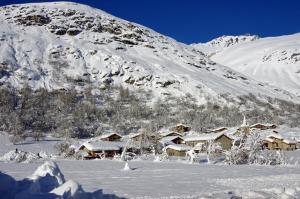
{"points": [[48, 168], [69, 189], [19, 156], [46, 182]]}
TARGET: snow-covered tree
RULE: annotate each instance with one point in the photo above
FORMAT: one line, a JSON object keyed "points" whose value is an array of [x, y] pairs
{"points": [[212, 148], [191, 155], [249, 150]]}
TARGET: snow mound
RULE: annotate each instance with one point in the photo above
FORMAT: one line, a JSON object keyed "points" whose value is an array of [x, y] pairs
{"points": [[127, 167], [19, 157], [49, 168], [69, 189], [46, 182]]}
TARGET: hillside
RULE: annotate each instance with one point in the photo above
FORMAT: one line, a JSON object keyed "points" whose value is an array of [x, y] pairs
{"points": [[221, 43], [72, 46], [275, 60]]}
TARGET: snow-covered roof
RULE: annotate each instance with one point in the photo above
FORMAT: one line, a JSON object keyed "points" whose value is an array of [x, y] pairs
{"points": [[178, 147], [264, 124], [204, 137], [169, 139], [100, 145], [133, 135], [275, 135], [165, 134], [231, 131], [181, 124], [107, 135], [217, 129], [269, 139], [289, 141]]}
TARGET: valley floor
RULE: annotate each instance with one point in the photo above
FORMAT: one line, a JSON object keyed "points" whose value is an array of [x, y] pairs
{"points": [[150, 179], [167, 179]]}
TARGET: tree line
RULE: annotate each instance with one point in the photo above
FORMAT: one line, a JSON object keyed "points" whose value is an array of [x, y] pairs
{"points": [[91, 112]]}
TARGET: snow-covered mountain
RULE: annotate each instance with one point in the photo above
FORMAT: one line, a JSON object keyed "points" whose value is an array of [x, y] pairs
{"points": [[275, 60], [219, 44], [71, 46]]}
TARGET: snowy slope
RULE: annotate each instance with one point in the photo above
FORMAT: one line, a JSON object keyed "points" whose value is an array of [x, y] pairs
{"points": [[72, 46], [219, 44], [275, 60]]}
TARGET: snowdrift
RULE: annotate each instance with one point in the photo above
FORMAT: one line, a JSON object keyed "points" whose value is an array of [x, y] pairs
{"points": [[19, 156], [46, 182]]}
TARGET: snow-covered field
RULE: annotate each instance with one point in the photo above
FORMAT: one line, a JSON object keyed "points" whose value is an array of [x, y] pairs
{"points": [[168, 179], [171, 179], [46, 145]]}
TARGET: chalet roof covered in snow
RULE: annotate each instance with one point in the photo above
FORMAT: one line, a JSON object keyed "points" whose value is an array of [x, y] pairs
{"points": [[181, 124], [169, 139], [107, 135], [269, 139], [168, 133], [287, 141], [178, 147], [133, 135], [220, 129], [275, 135], [204, 137], [100, 145], [263, 126]]}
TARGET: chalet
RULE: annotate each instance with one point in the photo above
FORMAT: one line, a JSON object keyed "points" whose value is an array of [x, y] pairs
{"points": [[277, 142], [289, 145], [171, 140], [181, 128], [101, 149], [169, 133], [112, 137], [263, 126], [177, 150], [225, 141]]}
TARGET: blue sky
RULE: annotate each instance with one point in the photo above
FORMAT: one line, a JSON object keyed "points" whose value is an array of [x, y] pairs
{"points": [[192, 21]]}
